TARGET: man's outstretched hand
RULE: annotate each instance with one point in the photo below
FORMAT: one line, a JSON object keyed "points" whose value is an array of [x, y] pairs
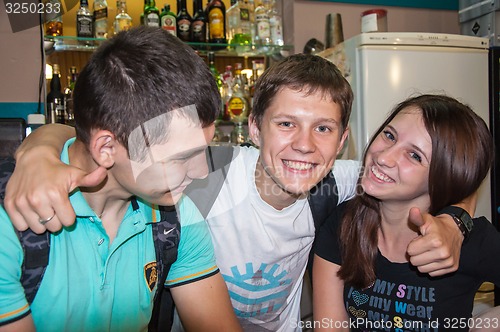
{"points": [[437, 250]]}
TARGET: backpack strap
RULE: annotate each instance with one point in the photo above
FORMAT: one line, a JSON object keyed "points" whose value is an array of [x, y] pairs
{"points": [[36, 247], [7, 165], [166, 237], [323, 200], [166, 240]]}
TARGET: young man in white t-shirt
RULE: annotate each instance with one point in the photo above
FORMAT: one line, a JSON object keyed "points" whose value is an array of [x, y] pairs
{"points": [[261, 222]]}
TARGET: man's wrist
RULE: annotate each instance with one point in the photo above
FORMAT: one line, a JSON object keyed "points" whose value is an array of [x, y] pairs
{"points": [[461, 217]]}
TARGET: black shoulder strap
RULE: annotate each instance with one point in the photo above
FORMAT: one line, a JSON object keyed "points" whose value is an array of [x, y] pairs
{"points": [[323, 200], [7, 165], [36, 247], [166, 236]]}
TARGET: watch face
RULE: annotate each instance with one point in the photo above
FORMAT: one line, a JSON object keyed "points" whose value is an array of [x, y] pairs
{"points": [[467, 220], [462, 217]]}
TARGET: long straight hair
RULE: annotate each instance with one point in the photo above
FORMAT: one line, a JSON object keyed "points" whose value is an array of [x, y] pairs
{"points": [[462, 153]]}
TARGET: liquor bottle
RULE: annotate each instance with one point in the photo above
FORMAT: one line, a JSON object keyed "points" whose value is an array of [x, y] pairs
{"points": [[53, 20], [151, 14], [238, 23], [232, 20], [168, 20], [183, 21], [251, 11], [213, 69], [216, 16], [262, 24], [68, 96], [238, 107], [56, 107], [141, 17], [199, 24], [219, 135], [227, 91], [84, 22], [100, 9], [123, 21], [276, 25]]}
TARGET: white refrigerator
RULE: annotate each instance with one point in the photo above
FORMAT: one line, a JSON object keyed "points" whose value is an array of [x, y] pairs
{"points": [[385, 68]]}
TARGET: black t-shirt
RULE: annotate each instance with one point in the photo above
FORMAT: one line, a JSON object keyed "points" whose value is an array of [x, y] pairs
{"points": [[403, 299]]}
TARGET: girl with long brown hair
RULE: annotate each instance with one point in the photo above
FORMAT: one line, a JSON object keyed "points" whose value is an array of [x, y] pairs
{"points": [[431, 152]]}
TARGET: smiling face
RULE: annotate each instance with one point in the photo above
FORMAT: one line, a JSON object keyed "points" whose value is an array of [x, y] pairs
{"points": [[397, 162], [299, 139], [169, 166]]}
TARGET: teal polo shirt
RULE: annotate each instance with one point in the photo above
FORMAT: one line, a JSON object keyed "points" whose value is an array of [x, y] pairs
{"points": [[91, 284]]}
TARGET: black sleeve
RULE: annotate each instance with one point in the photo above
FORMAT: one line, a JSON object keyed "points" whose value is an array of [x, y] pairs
{"points": [[485, 240], [327, 241]]}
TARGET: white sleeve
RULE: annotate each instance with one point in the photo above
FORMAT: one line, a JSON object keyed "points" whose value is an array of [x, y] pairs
{"points": [[346, 174]]}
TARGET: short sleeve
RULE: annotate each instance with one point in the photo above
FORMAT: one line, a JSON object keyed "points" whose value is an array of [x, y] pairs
{"points": [[196, 258], [346, 173], [13, 303]]}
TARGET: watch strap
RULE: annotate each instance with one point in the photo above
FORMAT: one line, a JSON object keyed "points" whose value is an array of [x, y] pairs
{"points": [[461, 217]]}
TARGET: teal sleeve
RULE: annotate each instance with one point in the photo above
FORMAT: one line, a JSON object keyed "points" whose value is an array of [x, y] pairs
{"points": [[196, 258], [13, 304]]}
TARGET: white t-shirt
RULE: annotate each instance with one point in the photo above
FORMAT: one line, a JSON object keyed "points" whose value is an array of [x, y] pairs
{"points": [[262, 252]]}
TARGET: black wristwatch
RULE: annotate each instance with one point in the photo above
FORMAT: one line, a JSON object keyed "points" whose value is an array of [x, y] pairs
{"points": [[461, 217]]}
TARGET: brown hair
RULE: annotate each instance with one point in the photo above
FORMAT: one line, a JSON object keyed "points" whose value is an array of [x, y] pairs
{"points": [[462, 153], [307, 74]]}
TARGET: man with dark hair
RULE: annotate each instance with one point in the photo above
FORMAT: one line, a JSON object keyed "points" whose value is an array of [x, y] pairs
{"points": [[139, 118]]}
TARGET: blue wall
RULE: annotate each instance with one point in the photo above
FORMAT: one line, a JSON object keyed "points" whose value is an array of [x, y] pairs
{"points": [[19, 110]]}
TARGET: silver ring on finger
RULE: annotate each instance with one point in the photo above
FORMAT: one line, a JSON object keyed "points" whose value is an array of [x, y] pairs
{"points": [[44, 221]]}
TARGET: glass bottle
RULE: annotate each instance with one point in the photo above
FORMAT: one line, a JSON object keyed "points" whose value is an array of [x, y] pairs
{"points": [[141, 17], [168, 20], [232, 20], [183, 21], [56, 107], [251, 12], [238, 23], [84, 22], [227, 91], [216, 16], [123, 21], [53, 20], [100, 9], [276, 25], [151, 14], [262, 24], [219, 134], [199, 24], [238, 107], [68, 96]]}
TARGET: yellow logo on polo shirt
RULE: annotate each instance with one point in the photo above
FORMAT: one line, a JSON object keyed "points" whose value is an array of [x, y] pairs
{"points": [[151, 275]]}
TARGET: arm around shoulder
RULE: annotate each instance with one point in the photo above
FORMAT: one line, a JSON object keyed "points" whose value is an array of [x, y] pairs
{"points": [[39, 186]]}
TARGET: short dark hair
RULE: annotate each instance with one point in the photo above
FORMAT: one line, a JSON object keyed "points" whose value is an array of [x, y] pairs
{"points": [[303, 73], [137, 76]]}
